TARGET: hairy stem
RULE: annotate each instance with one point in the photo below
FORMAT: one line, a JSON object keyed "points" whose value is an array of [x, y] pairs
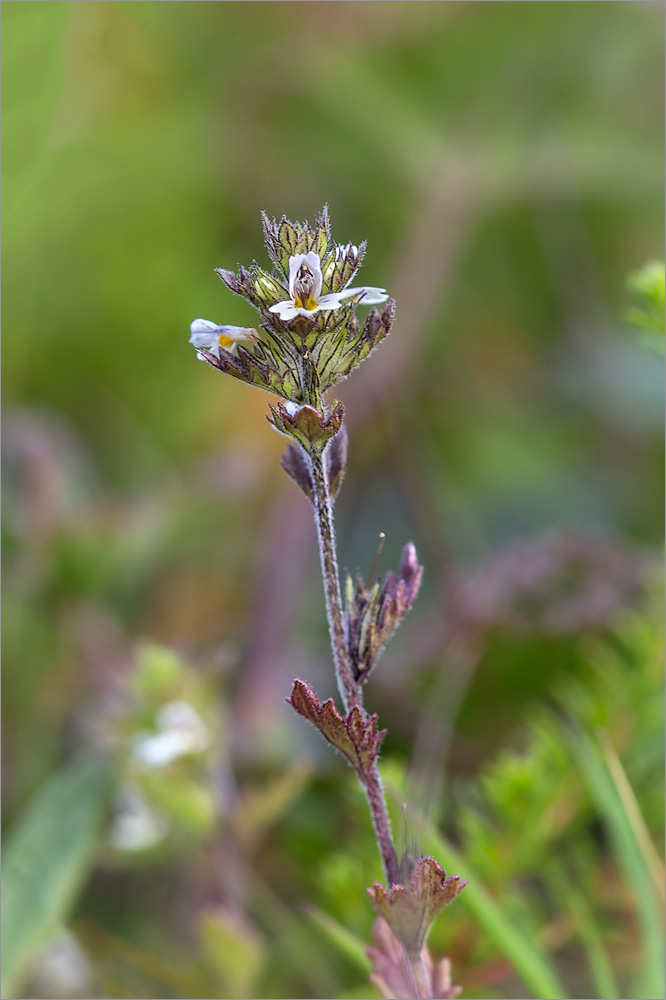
{"points": [[350, 690], [374, 791]]}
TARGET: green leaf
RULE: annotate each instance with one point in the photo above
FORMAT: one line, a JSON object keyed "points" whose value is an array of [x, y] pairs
{"points": [[648, 289], [524, 954], [604, 792], [234, 950], [47, 857], [590, 935]]}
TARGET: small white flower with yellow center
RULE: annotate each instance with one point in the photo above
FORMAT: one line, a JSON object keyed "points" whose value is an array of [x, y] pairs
{"points": [[305, 298], [211, 337]]}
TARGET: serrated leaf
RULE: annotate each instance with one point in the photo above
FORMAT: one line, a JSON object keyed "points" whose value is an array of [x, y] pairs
{"points": [[356, 737]]}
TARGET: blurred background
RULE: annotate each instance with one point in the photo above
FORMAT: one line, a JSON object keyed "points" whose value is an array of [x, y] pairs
{"points": [[174, 830]]}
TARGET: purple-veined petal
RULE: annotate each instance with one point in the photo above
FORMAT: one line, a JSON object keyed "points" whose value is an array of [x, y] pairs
{"points": [[314, 263], [287, 310], [331, 301], [368, 294], [210, 336]]}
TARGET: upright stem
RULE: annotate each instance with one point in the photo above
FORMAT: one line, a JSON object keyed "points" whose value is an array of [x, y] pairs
{"points": [[350, 690], [347, 686]]}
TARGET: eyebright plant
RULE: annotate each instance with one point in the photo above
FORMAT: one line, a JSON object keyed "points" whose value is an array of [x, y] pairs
{"points": [[307, 340]]}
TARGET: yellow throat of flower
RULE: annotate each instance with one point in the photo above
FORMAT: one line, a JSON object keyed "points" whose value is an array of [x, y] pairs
{"points": [[309, 303]]}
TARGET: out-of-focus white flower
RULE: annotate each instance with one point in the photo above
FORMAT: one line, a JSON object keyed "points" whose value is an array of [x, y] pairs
{"points": [[180, 731], [207, 335], [62, 969], [136, 826], [305, 283]]}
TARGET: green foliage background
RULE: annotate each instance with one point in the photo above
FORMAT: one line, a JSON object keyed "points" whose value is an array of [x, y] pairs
{"points": [[505, 162]]}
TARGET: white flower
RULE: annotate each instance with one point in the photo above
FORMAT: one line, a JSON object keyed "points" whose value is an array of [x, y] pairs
{"points": [[211, 337], [136, 826], [62, 969], [305, 281], [181, 731]]}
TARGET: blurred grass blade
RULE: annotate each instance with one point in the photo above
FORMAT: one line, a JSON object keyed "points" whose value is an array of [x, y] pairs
{"points": [[600, 966], [295, 938], [347, 943], [635, 817], [525, 956], [630, 857], [47, 857]]}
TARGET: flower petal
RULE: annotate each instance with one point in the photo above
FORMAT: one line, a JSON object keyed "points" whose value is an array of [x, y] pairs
{"points": [[287, 310], [313, 262], [368, 294], [204, 333], [333, 300]]}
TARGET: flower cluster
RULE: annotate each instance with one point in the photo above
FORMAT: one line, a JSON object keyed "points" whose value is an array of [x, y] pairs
{"points": [[308, 338]]}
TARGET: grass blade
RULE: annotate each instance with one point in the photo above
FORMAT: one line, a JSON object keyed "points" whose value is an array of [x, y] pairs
{"points": [[525, 956], [348, 943], [603, 791]]}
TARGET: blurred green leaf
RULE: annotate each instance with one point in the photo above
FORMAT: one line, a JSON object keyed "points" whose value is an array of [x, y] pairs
{"points": [[631, 858], [183, 797], [348, 944], [233, 950], [597, 956], [527, 958], [648, 288], [47, 858], [159, 673]]}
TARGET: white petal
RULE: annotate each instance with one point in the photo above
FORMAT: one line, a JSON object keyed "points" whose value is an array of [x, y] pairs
{"points": [[331, 301], [180, 717], [62, 969], [203, 333], [136, 825], [314, 263], [286, 310], [368, 295], [159, 749], [213, 350]]}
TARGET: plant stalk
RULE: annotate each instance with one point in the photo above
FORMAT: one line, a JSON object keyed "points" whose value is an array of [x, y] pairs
{"points": [[350, 689]]}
